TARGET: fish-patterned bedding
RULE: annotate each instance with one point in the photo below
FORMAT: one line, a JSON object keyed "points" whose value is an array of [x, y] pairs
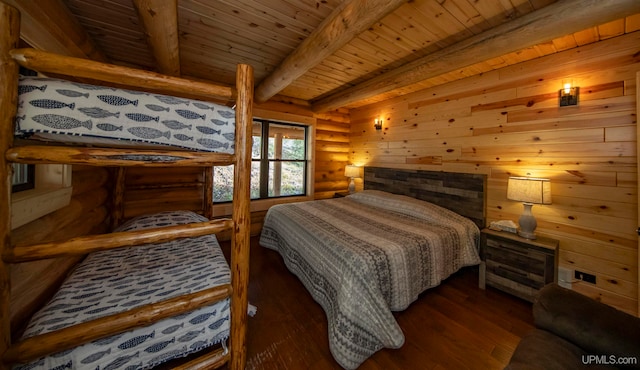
{"points": [[101, 115], [365, 255], [118, 280]]}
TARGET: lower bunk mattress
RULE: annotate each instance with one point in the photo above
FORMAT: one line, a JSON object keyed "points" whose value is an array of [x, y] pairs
{"points": [[118, 280]]}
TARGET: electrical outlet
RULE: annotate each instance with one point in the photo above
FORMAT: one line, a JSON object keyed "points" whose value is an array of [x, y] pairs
{"points": [[589, 278]]}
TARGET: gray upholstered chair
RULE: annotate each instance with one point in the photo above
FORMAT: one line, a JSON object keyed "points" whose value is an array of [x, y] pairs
{"points": [[574, 332]]}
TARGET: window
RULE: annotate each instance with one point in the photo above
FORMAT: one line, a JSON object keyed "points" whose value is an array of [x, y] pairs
{"points": [[279, 164], [51, 191], [23, 177]]}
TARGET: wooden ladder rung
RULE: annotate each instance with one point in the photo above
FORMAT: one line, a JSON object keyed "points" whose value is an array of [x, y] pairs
{"points": [[47, 154], [93, 243], [41, 345]]}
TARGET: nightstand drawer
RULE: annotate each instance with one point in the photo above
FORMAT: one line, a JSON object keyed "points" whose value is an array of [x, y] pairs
{"points": [[526, 260], [517, 265], [515, 274], [512, 287]]}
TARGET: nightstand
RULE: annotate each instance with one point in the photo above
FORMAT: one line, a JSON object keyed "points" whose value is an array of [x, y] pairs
{"points": [[517, 265], [340, 194]]}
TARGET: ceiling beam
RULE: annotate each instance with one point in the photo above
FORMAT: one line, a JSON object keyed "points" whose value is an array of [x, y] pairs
{"points": [[556, 20], [50, 26], [346, 21], [160, 21]]}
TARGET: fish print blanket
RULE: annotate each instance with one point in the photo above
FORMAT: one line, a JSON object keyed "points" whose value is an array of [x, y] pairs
{"points": [[86, 113], [117, 280], [365, 255]]}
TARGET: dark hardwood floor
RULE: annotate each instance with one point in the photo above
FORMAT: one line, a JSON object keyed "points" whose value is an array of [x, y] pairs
{"points": [[453, 326]]}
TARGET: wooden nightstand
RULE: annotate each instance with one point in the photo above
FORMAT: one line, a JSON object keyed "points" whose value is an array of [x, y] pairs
{"points": [[517, 265]]}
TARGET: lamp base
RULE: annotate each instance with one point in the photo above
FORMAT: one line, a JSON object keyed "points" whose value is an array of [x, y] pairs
{"points": [[527, 223], [352, 186], [527, 235]]}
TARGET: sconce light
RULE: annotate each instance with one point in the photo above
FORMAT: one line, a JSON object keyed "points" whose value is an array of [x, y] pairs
{"points": [[568, 94], [529, 191], [377, 123]]}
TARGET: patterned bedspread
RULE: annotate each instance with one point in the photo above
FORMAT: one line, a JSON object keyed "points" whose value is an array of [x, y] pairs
{"points": [[117, 280], [368, 254]]}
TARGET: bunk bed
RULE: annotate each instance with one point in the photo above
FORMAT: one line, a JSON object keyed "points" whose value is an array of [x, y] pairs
{"points": [[136, 233]]}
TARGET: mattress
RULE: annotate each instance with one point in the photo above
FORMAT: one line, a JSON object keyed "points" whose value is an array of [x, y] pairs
{"points": [[365, 255], [117, 280], [67, 111]]}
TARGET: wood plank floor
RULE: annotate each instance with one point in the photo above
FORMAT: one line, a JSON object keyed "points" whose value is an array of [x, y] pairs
{"points": [[453, 326]]}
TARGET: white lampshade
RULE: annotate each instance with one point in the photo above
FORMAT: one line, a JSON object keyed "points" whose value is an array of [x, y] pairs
{"points": [[351, 171], [529, 190]]}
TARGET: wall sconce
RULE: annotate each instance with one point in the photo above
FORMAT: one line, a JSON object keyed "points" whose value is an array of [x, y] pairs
{"points": [[568, 94], [377, 123], [529, 191]]}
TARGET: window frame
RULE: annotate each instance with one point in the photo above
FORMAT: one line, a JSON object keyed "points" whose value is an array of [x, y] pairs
{"points": [[30, 169], [265, 161], [225, 208]]}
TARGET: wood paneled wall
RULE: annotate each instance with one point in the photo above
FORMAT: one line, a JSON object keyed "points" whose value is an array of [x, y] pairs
{"points": [[508, 122], [87, 213]]}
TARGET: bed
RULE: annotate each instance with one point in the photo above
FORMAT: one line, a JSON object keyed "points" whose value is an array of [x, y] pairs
{"points": [[366, 255], [116, 280], [158, 287]]}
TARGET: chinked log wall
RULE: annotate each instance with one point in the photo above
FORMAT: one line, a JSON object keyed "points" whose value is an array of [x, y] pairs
{"points": [[332, 153], [507, 122], [87, 213]]}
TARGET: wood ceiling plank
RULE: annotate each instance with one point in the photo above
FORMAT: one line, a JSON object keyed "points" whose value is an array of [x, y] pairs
{"points": [[280, 12], [198, 34], [587, 36], [446, 28], [405, 22], [107, 13], [344, 23], [632, 23], [502, 11], [238, 19], [541, 26], [212, 22], [49, 25], [611, 29], [565, 42], [160, 21], [466, 15]]}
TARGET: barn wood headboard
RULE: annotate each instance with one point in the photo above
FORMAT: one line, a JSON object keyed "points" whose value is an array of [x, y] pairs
{"points": [[462, 193]]}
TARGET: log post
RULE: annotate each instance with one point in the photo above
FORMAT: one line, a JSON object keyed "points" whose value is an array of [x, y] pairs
{"points": [[9, 39], [117, 213], [240, 238], [207, 198]]}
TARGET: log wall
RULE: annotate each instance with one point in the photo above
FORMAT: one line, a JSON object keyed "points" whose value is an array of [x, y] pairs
{"points": [[87, 213], [332, 153], [508, 122]]}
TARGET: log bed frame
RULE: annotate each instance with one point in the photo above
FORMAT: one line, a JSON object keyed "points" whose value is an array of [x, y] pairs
{"points": [[239, 224]]}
